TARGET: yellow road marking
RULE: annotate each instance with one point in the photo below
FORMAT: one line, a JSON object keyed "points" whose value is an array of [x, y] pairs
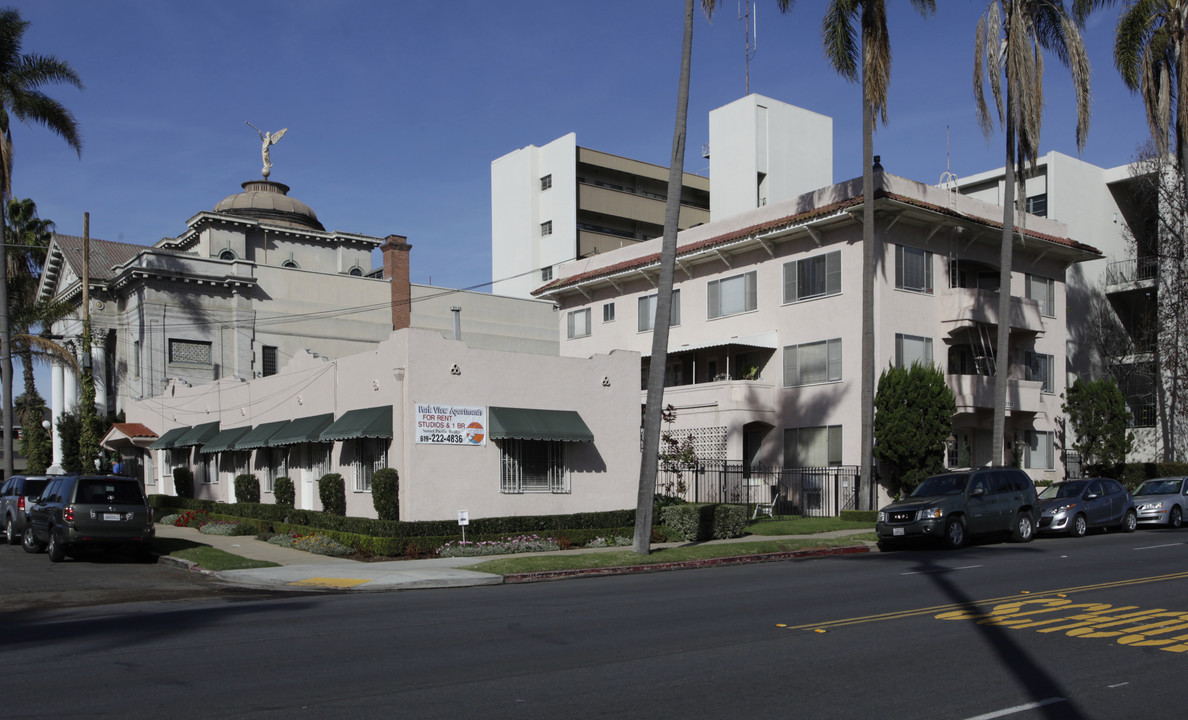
{"points": [[952, 607], [330, 582]]}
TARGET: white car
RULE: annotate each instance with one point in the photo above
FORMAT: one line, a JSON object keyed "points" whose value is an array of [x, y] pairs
{"points": [[1162, 501]]}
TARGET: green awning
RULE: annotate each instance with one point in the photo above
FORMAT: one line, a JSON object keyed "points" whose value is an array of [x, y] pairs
{"points": [[373, 422], [525, 424], [198, 435], [261, 435], [169, 439], [225, 440], [302, 430]]}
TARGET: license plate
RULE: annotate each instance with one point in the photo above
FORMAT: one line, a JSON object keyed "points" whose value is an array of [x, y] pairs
{"points": [[111, 516], [896, 531]]}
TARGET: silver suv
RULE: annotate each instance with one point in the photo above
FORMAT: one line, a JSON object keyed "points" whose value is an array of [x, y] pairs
{"points": [[15, 501], [77, 511], [954, 506]]}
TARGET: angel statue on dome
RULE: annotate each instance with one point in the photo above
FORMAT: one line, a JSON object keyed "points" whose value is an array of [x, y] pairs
{"points": [[268, 139]]}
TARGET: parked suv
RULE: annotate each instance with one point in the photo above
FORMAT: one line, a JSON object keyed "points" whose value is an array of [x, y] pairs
{"points": [[15, 499], [954, 506], [88, 511]]}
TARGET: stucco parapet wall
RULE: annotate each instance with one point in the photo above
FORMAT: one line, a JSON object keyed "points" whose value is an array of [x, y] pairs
{"points": [[836, 203], [184, 268]]}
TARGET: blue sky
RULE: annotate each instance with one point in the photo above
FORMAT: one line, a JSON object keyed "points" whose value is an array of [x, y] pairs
{"points": [[396, 109]]}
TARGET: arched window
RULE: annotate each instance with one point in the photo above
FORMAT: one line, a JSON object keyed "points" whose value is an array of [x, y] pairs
{"points": [[289, 264], [227, 255], [356, 271]]}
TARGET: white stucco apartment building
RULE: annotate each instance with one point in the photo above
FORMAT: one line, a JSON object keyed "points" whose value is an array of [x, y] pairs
{"points": [[764, 348]]}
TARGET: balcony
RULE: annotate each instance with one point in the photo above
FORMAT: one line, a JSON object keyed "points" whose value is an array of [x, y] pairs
{"points": [[963, 308], [1129, 272], [723, 396], [976, 392]]}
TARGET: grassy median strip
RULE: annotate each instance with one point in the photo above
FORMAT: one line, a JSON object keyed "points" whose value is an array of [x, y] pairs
{"points": [[805, 526], [206, 556], [624, 558]]}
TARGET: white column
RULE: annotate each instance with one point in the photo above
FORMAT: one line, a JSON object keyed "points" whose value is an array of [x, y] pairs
{"points": [[69, 389], [99, 373], [57, 407]]}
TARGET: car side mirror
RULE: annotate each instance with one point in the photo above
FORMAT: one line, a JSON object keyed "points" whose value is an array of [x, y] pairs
{"points": [[977, 492], [1092, 496]]}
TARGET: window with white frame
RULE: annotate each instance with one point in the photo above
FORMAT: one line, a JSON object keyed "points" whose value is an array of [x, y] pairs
{"points": [[1043, 291], [732, 295], [812, 277], [912, 349], [532, 466], [546, 228], [577, 323], [813, 446], [1039, 454], [608, 312], [913, 269], [371, 454], [1039, 368], [647, 311], [810, 363], [546, 273], [546, 182]]}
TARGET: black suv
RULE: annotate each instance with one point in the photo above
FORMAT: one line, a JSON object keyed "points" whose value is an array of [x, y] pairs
{"points": [[77, 511], [954, 506], [15, 500]]}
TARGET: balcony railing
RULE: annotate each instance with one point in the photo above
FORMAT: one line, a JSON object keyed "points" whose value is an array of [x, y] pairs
{"points": [[976, 392], [966, 306], [1130, 271]]}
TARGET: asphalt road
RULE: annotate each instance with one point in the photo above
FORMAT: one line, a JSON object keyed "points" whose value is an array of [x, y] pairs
{"points": [[893, 635]]}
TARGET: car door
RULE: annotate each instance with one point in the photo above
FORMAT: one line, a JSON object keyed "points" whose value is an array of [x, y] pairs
{"points": [[39, 509], [1097, 504], [979, 505]]}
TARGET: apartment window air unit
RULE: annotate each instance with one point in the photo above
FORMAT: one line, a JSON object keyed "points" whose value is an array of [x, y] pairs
{"points": [[811, 363], [268, 360], [912, 349], [546, 182], [732, 295], [913, 269], [546, 228], [647, 311], [578, 324], [812, 277]]}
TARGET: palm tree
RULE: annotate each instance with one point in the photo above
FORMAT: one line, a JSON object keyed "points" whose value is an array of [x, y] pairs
{"points": [[844, 19], [1151, 54], [654, 407], [1010, 38], [21, 78]]}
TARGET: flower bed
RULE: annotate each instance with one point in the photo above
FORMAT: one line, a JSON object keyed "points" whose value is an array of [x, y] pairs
{"points": [[506, 546], [314, 543]]}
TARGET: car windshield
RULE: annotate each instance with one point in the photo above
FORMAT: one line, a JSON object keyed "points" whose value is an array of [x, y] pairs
{"points": [[941, 485], [1063, 490], [106, 492], [1159, 487]]}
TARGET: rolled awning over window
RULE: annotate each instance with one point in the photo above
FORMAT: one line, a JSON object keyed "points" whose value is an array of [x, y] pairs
{"points": [[261, 435], [170, 438], [198, 435], [373, 422], [529, 424], [302, 430]]}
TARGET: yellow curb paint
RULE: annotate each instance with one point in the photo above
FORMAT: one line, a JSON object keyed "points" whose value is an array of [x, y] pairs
{"points": [[330, 582]]}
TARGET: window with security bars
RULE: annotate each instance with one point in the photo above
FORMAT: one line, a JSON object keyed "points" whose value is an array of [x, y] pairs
{"points": [[232, 464], [532, 466], [268, 360], [812, 277], [811, 363], [276, 465], [191, 352], [913, 269], [371, 454], [319, 459]]}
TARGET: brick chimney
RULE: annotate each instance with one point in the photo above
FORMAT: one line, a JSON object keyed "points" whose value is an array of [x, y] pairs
{"points": [[395, 251]]}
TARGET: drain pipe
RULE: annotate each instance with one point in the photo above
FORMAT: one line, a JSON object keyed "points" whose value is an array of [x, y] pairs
{"points": [[457, 322]]}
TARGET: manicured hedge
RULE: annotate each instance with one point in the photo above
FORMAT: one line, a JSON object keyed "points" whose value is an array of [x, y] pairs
{"points": [[332, 492], [183, 482], [694, 521], [284, 491], [247, 488], [385, 493]]}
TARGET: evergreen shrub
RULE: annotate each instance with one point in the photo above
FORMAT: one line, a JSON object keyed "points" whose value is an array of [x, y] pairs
{"points": [[332, 491], [183, 482], [385, 493], [284, 491], [247, 488]]}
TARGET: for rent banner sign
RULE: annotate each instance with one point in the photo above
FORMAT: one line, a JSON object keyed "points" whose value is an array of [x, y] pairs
{"points": [[451, 424]]}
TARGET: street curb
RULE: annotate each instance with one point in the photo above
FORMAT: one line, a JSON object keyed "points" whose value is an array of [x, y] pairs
{"points": [[684, 565], [188, 565]]}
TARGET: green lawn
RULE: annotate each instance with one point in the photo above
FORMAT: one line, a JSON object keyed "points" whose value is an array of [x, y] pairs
{"points": [[805, 526], [206, 556], [621, 558]]}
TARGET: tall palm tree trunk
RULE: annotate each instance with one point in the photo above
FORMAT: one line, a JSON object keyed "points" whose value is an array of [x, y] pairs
{"points": [[1005, 259], [866, 393], [672, 211], [6, 445]]}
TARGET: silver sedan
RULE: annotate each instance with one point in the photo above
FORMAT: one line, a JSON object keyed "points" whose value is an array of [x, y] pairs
{"points": [[1162, 501]]}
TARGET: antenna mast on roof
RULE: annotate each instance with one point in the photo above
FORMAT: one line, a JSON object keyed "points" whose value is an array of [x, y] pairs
{"points": [[751, 19]]}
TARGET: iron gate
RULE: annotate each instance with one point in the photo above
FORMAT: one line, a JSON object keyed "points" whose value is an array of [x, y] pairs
{"points": [[809, 492]]}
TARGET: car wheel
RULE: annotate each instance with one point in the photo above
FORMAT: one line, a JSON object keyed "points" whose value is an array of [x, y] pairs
{"points": [[57, 552], [1079, 526], [1024, 528], [29, 542], [1176, 518], [10, 535], [1129, 522], [955, 533]]}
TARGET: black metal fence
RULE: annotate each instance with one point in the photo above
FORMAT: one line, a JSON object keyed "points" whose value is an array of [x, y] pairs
{"points": [[809, 492]]}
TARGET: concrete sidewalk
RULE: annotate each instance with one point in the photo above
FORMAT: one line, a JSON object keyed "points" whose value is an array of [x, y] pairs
{"points": [[300, 570]]}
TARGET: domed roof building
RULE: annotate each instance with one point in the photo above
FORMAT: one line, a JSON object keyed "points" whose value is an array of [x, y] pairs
{"points": [[269, 201]]}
